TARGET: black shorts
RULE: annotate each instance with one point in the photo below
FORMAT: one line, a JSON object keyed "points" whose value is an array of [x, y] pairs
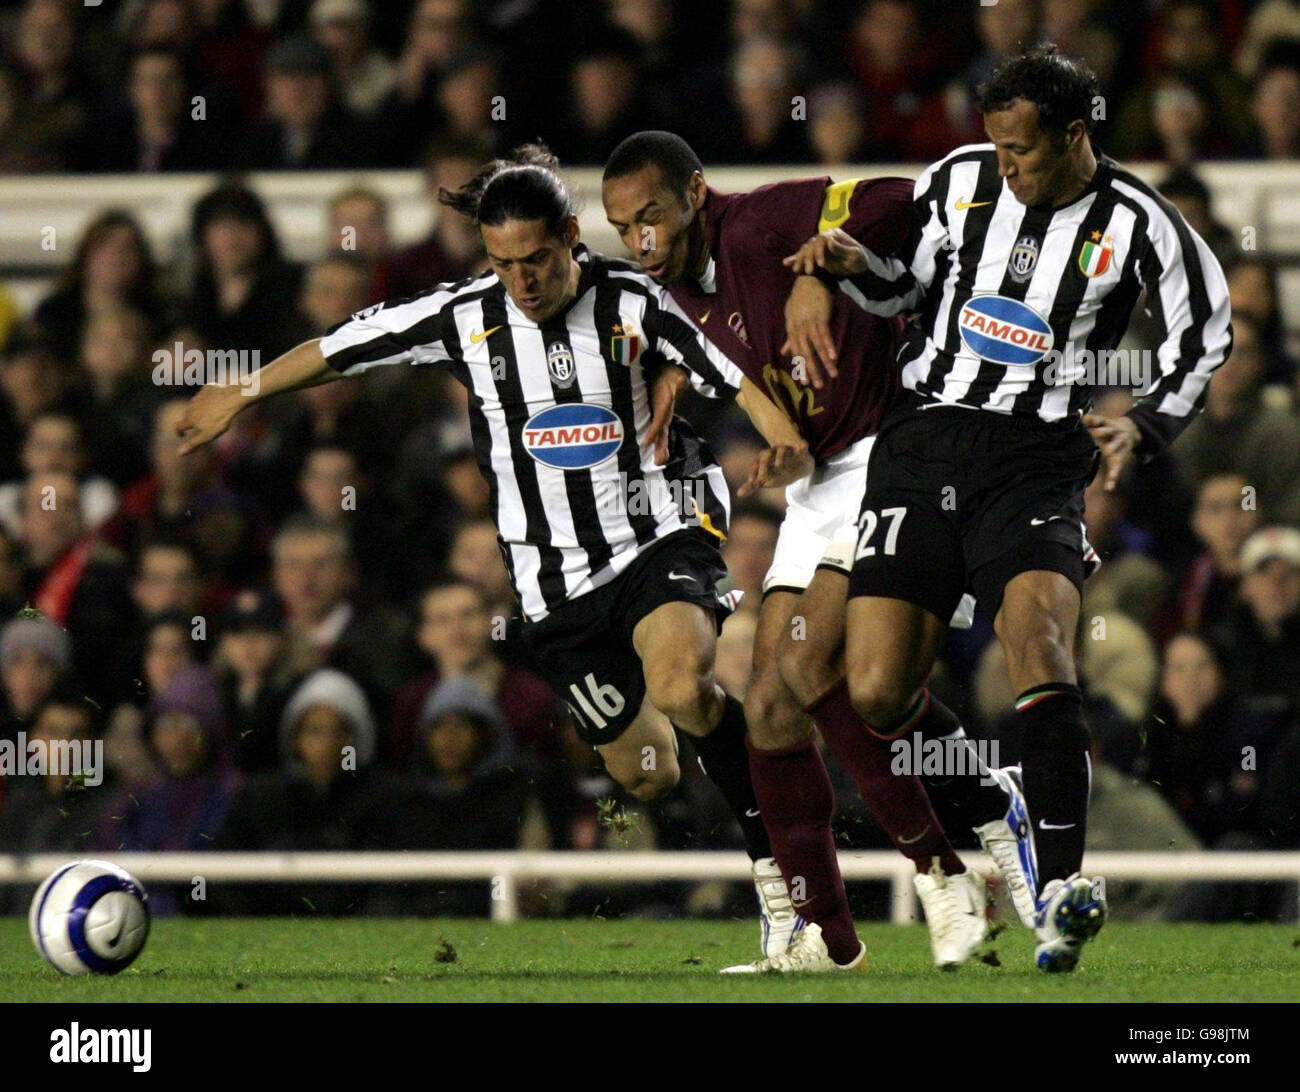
{"points": [[584, 648], [963, 500]]}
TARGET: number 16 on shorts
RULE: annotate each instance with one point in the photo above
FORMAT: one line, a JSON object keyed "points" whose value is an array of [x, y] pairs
{"points": [[599, 698], [869, 523]]}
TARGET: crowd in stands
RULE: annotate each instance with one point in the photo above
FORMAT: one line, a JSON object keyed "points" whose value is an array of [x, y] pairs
{"points": [[193, 85], [325, 579]]}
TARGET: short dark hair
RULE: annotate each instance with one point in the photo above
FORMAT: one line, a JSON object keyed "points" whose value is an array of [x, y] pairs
{"points": [[449, 582], [1060, 87], [675, 158], [525, 185]]}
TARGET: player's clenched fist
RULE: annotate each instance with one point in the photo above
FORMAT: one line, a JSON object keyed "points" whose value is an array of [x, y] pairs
{"points": [[834, 251], [1118, 438], [207, 416]]}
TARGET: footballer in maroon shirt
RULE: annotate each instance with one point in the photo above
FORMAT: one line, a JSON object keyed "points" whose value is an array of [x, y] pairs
{"points": [[833, 372]]}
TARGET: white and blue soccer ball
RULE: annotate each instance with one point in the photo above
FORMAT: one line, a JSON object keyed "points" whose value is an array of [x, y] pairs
{"points": [[90, 917]]}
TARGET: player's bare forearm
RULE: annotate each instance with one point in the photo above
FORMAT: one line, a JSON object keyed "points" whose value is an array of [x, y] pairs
{"points": [[772, 423], [302, 366], [211, 410], [835, 251], [786, 459]]}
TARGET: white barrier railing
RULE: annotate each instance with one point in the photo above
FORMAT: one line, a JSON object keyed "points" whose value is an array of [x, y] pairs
{"points": [[508, 870]]}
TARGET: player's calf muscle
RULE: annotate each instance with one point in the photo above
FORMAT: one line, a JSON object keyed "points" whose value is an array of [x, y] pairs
{"points": [[643, 760], [679, 679], [1036, 626]]}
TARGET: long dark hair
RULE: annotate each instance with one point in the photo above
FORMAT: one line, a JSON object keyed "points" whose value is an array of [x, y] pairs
{"points": [[525, 185], [145, 289]]}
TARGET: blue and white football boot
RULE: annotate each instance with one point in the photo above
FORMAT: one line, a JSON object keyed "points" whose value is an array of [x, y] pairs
{"points": [[1070, 913], [1010, 842]]}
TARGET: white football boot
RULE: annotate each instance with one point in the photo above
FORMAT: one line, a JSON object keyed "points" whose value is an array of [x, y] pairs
{"points": [[1070, 913], [1010, 842], [777, 915], [807, 954], [956, 910]]}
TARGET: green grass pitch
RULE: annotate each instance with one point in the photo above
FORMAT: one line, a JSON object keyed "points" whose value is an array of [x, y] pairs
{"points": [[286, 959]]}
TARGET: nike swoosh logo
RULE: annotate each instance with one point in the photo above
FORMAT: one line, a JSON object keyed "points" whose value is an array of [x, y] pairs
{"points": [[962, 206], [1043, 824], [752, 813], [702, 319], [1040, 522], [917, 838], [476, 337], [116, 936], [799, 905], [680, 576]]}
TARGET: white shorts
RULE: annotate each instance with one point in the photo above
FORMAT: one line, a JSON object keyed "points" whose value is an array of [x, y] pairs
{"points": [[821, 520], [820, 529]]}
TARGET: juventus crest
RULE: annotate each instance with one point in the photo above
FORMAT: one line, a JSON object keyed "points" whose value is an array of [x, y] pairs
{"points": [[1024, 256]]}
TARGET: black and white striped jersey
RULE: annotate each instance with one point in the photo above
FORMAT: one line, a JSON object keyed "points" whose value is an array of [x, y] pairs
{"points": [[1010, 296], [558, 415]]}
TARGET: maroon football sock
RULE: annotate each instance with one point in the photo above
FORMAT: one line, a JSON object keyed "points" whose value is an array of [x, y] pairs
{"points": [[795, 795], [898, 802]]}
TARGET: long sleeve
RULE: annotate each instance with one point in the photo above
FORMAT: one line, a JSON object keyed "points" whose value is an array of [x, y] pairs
{"points": [[418, 330], [1187, 295], [671, 333], [894, 283]]}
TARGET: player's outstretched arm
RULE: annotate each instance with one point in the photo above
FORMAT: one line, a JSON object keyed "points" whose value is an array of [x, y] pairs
{"points": [[883, 286], [786, 458], [211, 410]]}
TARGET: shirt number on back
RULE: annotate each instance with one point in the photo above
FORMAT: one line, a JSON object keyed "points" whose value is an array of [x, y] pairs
{"points": [[868, 522]]}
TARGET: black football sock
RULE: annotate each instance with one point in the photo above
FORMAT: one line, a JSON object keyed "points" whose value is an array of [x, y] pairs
{"points": [[1057, 775], [967, 798], [725, 759]]}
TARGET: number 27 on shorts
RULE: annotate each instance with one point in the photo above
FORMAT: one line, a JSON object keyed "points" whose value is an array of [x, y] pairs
{"points": [[869, 522]]}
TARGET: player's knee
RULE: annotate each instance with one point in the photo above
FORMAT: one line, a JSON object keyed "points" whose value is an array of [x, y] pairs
{"points": [[681, 691], [878, 699], [649, 785], [772, 714], [804, 668]]}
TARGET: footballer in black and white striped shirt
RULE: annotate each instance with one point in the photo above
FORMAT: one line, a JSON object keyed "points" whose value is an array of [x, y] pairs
{"points": [[1026, 259], [609, 511]]}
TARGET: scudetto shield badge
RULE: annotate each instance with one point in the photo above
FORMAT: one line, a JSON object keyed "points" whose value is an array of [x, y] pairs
{"points": [[559, 361], [1024, 256]]}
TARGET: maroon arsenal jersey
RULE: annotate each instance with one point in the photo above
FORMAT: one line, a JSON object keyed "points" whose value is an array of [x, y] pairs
{"points": [[740, 304]]}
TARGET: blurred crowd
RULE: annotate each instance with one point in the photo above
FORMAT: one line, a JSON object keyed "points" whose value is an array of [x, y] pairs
{"points": [[325, 579], [186, 85]]}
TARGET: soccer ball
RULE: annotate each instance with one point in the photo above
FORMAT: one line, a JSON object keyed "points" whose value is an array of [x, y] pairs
{"points": [[90, 917]]}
